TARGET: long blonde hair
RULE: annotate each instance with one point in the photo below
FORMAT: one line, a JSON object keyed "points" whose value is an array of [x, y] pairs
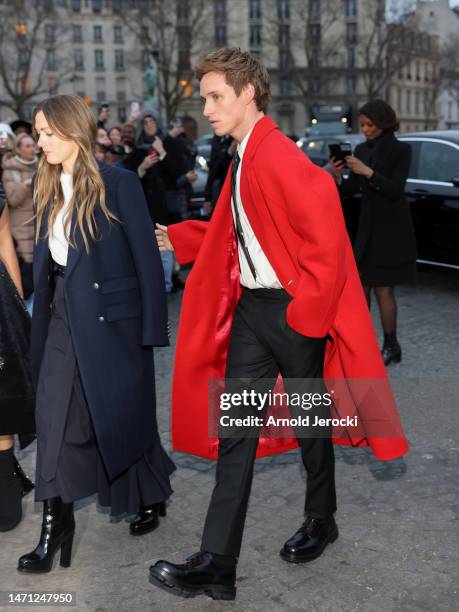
{"points": [[70, 119]]}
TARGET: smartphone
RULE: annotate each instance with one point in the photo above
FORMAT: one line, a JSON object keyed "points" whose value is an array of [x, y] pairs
{"points": [[340, 150]]}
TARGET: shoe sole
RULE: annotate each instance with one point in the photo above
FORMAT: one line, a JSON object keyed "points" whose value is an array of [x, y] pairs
{"points": [[292, 558], [211, 590]]}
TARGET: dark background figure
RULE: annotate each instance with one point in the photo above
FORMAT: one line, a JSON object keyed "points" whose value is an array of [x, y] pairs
{"points": [[221, 155], [16, 388], [104, 115], [384, 246], [159, 162], [20, 126]]}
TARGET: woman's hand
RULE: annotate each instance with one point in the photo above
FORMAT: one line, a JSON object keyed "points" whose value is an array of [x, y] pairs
{"points": [[158, 145], [358, 167], [337, 169], [148, 162], [162, 238]]}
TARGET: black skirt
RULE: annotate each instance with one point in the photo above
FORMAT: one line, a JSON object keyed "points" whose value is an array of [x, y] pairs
{"points": [[69, 462], [374, 275], [16, 388]]}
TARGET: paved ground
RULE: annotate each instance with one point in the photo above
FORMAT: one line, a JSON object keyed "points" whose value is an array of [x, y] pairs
{"points": [[398, 541]]}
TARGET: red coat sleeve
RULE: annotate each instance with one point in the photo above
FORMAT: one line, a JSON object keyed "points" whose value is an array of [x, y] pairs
{"points": [[310, 198], [186, 238]]}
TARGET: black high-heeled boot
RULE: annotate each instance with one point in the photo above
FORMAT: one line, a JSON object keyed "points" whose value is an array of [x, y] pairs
{"points": [[11, 492], [26, 483], [57, 531], [391, 351], [147, 519]]}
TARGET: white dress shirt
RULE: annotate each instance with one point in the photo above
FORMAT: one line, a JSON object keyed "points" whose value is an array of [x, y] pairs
{"points": [[266, 277], [57, 241]]}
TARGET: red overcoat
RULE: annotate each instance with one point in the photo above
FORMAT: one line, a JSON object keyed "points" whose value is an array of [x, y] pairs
{"points": [[294, 209]]}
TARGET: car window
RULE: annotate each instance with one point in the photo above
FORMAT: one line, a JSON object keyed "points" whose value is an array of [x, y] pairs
{"points": [[312, 147], [415, 147], [438, 162]]}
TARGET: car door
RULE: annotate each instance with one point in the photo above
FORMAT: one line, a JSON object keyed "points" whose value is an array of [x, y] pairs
{"points": [[433, 192]]}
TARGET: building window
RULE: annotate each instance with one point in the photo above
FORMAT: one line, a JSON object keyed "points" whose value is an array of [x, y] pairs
{"points": [[101, 94], [416, 102], [76, 6], [450, 110], [284, 86], [399, 100], [122, 114], [97, 29], [314, 31], [146, 59], [351, 84], [96, 6], [118, 34], [51, 61], [255, 36], [219, 11], [50, 34], [220, 35], [255, 9], [78, 58], [283, 9], [350, 57], [408, 101], [350, 8], [77, 34], [23, 58], [99, 59], [284, 59], [351, 33], [119, 59], [144, 35], [314, 9], [284, 36]]}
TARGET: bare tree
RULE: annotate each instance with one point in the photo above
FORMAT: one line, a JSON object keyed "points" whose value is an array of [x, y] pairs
{"points": [[29, 61], [170, 35]]}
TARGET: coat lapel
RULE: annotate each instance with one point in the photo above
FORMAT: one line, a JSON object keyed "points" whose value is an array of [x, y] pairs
{"points": [[74, 254]]}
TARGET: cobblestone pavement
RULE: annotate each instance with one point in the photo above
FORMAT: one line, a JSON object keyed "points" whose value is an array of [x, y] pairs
{"points": [[398, 541]]}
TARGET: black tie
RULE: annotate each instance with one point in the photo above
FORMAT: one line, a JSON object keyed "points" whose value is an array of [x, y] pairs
{"points": [[239, 231]]}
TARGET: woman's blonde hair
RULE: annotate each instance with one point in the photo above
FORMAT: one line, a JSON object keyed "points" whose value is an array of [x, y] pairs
{"points": [[70, 119]]}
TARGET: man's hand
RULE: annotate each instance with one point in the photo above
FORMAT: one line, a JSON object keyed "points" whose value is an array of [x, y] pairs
{"points": [[337, 169], [148, 162], [191, 176], [162, 237], [158, 145]]}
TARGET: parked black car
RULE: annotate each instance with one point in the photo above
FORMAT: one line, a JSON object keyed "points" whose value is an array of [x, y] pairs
{"points": [[432, 190]]}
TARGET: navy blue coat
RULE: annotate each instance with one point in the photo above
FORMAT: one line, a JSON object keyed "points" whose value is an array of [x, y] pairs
{"points": [[117, 312]]}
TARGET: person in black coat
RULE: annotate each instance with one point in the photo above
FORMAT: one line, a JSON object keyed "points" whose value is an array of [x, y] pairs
{"points": [[100, 308], [384, 246]]}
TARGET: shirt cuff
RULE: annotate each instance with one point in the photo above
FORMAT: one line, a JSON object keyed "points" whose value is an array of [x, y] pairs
{"points": [[161, 157]]}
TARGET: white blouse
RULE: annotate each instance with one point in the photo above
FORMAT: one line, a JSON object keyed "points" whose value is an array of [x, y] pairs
{"points": [[58, 241]]}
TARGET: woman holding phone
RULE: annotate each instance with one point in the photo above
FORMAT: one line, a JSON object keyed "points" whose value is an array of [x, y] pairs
{"points": [[384, 246], [99, 309]]}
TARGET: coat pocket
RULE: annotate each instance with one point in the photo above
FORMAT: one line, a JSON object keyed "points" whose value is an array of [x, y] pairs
{"points": [[129, 310], [119, 284]]}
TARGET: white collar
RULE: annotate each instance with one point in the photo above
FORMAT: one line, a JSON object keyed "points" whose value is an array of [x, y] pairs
{"points": [[241, 146]]}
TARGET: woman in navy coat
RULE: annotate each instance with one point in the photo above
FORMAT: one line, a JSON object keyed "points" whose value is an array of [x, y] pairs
{"points": [[99, 308]]}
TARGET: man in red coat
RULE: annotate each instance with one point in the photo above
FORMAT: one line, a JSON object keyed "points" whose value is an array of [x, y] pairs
{"points": [[274, 290]]}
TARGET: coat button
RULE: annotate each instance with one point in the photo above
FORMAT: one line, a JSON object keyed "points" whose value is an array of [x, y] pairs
{"points": [[101, 319], [96, 286]]}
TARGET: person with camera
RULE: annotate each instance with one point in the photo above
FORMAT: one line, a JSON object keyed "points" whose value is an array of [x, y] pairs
{"points": [[159, 162], [384, 246]]}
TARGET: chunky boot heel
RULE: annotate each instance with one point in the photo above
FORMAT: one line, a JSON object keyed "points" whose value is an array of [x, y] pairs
{"points": [[57, 531], [147, 519], [66, 552]]}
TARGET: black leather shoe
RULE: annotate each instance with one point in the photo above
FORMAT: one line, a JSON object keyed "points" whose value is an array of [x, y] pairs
{"points": [[310, 540], [147, 519], [26, 483], [392, 353], [57, 532], [199, 575]]}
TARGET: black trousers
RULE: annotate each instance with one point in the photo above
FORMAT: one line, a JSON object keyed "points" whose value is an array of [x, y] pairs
{"points": [[262, 344]]}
